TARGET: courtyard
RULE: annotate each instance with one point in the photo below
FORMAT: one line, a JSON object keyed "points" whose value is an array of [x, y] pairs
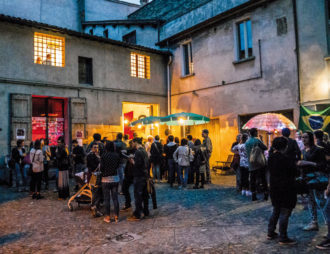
{"points": [[211, 220]]}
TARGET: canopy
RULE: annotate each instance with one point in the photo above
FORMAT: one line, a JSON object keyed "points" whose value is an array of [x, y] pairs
{"points": [[146, 120], [269, 122], [184, 119]]}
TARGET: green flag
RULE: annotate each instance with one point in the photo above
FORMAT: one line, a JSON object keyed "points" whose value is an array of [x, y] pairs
{"points": [[314, 120]]}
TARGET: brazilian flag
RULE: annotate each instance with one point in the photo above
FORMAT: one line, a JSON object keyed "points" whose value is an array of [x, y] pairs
{"points": [[314, 120]]}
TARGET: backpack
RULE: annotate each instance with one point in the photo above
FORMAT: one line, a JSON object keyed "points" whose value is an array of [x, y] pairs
{"points": [[257, 158]]}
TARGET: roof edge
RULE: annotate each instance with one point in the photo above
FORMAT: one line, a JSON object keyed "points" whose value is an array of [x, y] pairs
{"points": [[26, 22]]}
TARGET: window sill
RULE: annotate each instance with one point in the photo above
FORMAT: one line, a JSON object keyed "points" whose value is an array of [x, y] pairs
{"points": [[245, 60], [187, 76], [86, 84]]}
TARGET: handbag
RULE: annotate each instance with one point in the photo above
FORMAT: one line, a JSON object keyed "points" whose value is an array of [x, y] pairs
{"points": [[257, 158]]}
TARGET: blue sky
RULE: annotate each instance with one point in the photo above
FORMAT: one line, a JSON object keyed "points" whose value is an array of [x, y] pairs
{"points": [[132, 1]]}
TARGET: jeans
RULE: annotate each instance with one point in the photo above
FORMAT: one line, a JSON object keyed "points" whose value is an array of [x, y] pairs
{"points": [[327, 214], [141, 196], [126, 184], [283, 214], [256, 175], [183, 174], [171, 170], [25, 176], [121, 173], [244, 174], [312, 206], [156, 171], [96, 197], [18, 175], [110, 190], [36, 182]]}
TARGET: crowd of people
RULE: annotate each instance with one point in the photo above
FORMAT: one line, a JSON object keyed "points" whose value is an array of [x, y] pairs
{"points": [[122, 163], [306, 157]]}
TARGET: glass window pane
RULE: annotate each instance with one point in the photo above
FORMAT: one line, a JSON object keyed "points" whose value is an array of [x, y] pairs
{"points": [[249, 37], [241, 41]]}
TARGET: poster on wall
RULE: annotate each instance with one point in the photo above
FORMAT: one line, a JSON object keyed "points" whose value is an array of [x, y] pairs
{"points": [[20, 133]]}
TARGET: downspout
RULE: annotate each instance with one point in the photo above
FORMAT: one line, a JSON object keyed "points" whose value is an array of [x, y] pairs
{"points": [[296, 32], [169, 85]]}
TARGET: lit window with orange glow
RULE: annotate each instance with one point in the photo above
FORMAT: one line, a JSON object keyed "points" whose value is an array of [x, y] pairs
{"points": [[140, 66], [49, 50]]}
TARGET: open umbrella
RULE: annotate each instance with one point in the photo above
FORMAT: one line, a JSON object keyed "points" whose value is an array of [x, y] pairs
{"points": [[184, 119], [146, 120], [269, 122]]}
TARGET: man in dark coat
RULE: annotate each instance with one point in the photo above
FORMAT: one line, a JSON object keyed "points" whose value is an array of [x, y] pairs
{"points": [[282, 190]]}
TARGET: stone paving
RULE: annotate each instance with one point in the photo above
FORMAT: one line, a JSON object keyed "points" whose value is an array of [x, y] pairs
{"points": [[212, 220]]}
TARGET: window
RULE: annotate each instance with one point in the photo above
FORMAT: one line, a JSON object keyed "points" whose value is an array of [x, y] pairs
{"points": [[85, 70], [106, 33], [244, 32], [187, 63], [140, 66], [282, 26], [130, 37], [49, 50]]}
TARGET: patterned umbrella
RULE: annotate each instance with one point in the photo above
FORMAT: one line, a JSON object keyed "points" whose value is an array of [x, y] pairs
{"points": [[269, 122]]}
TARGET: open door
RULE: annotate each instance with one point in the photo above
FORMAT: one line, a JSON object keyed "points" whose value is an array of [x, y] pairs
{"points": [[20, 118], [78, 118]]}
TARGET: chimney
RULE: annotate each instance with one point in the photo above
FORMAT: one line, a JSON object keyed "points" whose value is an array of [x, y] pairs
{"points": [[143, 2]]}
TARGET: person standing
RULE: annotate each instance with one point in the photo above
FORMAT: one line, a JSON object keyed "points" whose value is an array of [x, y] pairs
{"points": [[243, 165], [299, 141], [37, 160], [236, 162], [78, 155], [256, 147], [140, 161], [97, 140], [192, 168], [62, 159], [207, 143], [156, 153], [169, 150], [17, 155], [93, 164], [183, 156], [121, 149], [110, 161], [313, 161], [47, 154], [282, 190], [199, 163]]}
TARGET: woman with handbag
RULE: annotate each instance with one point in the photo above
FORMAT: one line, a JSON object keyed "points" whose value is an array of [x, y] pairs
{"points": [[110, 161], [313, 161], [62, 160], [37, 162]]}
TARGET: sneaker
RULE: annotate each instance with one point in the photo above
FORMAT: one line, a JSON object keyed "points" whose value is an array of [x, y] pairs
{"points": [[125, 208], [243, 192], [287, 241], [313, 226], [107, 219], [272, 236], [133, 218], [325, 245]]}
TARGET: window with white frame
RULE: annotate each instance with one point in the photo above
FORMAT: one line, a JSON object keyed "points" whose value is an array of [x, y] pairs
{"points": [[187, 59], [244, 40]]}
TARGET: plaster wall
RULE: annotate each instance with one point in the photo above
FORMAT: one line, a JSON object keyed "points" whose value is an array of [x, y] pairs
{"points": [[111, 70], [240, 89], [146, 36], [106, 10], [62, 13], [314, 68]]}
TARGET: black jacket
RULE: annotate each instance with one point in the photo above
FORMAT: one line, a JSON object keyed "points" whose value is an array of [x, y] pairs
{"points": [[282, 180], [79, 153], [315, 154], [141, 163], [292, 151], [156, 152], [169, 150], [16, 156], [93, 162], [109, 164], [62, 158]]}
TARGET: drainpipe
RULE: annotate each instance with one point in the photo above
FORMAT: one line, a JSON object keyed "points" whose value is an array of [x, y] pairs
{"points": [[169, 86], [296, 32]]}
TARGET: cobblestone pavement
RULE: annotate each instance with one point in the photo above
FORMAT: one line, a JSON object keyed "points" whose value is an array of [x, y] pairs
{"points": [[212, 220]]}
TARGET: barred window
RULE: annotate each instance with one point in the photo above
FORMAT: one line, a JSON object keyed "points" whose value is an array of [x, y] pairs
{"points": [[49, 50], [140, 66]]}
